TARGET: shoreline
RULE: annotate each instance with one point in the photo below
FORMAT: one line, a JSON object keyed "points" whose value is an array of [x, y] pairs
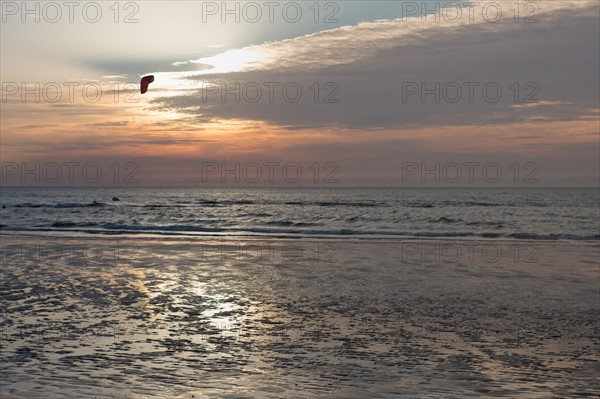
{"points": [[67, 234]]}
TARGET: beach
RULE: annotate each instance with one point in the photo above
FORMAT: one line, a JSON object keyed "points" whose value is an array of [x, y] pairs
{"points": [[227, 317], [299, 199]]}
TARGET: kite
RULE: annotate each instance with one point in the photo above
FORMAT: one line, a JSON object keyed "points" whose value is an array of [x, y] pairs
{"points": [[146, 80]]}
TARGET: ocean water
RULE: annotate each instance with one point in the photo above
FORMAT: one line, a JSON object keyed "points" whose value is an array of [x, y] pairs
{"points": [[532, 214]]}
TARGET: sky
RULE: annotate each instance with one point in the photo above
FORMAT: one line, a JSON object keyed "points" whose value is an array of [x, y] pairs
{"points": [[347, 93]]}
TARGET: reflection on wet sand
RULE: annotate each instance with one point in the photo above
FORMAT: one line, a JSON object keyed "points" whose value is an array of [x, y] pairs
{"points": [[169, 320]]}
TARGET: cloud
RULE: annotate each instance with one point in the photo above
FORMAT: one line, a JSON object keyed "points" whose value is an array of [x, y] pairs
{"points": [[107, 124], [114, 77], [554, 61], [40, 126]]}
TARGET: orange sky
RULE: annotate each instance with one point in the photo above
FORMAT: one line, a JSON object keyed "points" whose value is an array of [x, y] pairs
{"points": [[195, 113]]}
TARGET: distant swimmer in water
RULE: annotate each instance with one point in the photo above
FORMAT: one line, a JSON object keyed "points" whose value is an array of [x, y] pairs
{"points": [[116, 199]]}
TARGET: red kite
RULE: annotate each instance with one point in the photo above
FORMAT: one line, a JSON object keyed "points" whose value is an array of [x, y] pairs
{"points": [[146, 80]]}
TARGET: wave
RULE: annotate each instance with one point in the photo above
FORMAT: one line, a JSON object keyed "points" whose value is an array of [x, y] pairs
{"points": [[157, 206], [260, 214], [290, 223], [62, 206], [290, 231], [481, 223], [419, 205], [223, 203], [214, 203], [444, 219], [477, 203], [72, 224], [355, 204], [333, 203]]}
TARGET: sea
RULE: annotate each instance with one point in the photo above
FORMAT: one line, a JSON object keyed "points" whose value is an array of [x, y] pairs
{"points": [[369, 213]]}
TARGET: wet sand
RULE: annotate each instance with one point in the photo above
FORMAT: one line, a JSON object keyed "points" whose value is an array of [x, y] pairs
{"points": [[273, 318]]}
